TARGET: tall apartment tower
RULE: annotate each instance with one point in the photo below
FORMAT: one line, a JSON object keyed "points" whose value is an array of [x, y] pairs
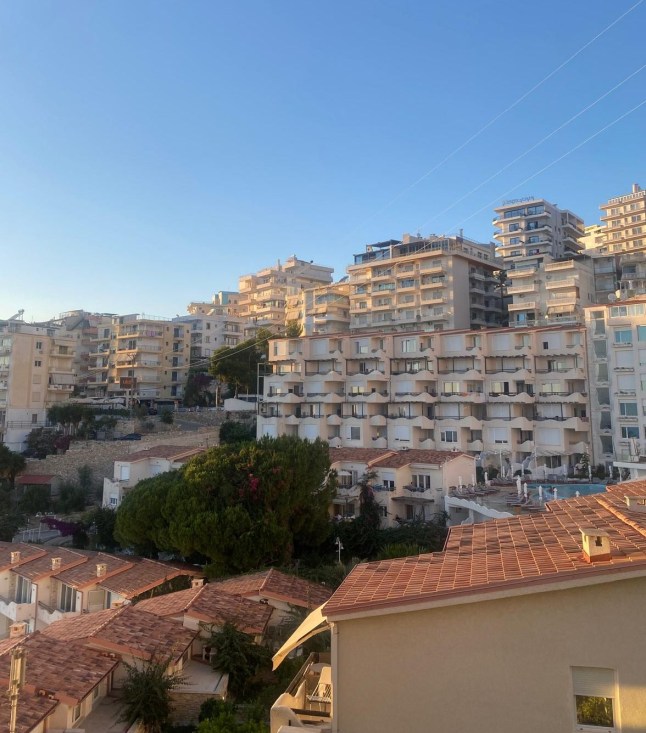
{"points": [[263, 295], [433, 283], [36, 372], [548, 280], [325, 309]]}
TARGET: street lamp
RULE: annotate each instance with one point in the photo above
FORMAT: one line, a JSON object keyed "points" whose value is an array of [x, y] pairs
{"points": [[339, 547]]}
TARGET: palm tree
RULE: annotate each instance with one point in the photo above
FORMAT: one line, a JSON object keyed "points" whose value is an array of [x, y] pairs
{"points": [[147, 693]]}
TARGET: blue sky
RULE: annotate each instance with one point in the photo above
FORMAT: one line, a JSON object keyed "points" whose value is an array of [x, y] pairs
{"points": [[150, 153]]}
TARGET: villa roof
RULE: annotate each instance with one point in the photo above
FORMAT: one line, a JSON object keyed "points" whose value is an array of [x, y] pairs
{"points": [[406, 457], [35, 479], [43, 566], [170, 452], [125, 630], [67, 671], [142, 576], [86, 574], [525, 551], [27, 553], [357, 455], [273, 584], [31, 711], [211, 604]]}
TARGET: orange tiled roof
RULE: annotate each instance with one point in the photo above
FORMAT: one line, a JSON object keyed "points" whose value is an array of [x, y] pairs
{"points": [[125, 630], [31, 711], [41, 567], [68, 671], [82, 575], [278, 586], [142, 576], [27, 553], [169, 452], [357, 455], [406, 457], [35, 479], [503, 554], [211, 604]]}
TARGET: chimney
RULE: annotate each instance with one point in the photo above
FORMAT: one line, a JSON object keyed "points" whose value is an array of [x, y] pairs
{"points": [[197, 582], [56, 563], [636, 503], [101, 569], [15, 557], [16, 630], [636, 188], [596, 544]]}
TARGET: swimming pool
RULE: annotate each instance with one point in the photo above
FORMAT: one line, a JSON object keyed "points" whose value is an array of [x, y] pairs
{"points": [[567, 491]]}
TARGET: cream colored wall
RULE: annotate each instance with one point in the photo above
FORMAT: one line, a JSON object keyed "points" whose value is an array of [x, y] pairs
{"points": [[460, 289], [495, 667], [462, 466]]}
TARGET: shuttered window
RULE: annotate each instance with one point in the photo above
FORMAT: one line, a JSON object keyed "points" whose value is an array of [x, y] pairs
{"points": [[594, 698]]}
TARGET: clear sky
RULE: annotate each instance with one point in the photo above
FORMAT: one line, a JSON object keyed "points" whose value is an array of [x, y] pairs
{"points": [[151, 152]]}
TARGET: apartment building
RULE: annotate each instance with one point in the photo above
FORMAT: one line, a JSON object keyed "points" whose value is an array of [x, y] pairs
{"points": [[617, 347], [512, 627], [141, 358], [436, 283], [325, 309], [36, 372], [263, 295], [519, 395]]}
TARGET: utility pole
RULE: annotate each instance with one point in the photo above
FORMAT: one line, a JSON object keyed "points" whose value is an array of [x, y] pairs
{"points": [[16, 682]]}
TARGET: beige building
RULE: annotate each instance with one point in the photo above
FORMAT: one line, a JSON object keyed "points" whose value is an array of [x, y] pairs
{"points": [[517, 395], [36, 372], [325, 309], [214, 325], [617, 346], [437, 283], [513, 627], [140, 358], [263, 295]]}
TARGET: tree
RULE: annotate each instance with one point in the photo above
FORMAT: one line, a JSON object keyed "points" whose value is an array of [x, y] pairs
{"points": [[501, 287], [167, 417], [71, 498], [11, 464], [69, 415], [238, 365], [293, 329], [35, 499], [242, 506], [232, 432], [197, 390], [100, 523], [146, 693]]}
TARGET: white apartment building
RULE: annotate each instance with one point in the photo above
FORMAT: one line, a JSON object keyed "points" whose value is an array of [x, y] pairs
{"points": [[213, 325], [36, 372], [263, 295], [617, 347], [438, 283], [518, 395], [142, 358], [325, 309]]}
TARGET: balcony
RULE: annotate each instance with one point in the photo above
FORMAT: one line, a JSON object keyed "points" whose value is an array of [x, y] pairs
{"points": [[523, 306], [299, 706], [17, 612], [568, 282], [517, 289], [47, 615]]}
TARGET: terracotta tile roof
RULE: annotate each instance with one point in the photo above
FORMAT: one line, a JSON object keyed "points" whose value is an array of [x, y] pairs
{"points": [[170, 452], [142, 576], [35, 479], [68, 671], [31, 710], [42, 567], [7, 644], [273, 584], [86, 574], [357, 455], [522, 551], [125, 630], [406, 457], [27, 553], [211, 604]]}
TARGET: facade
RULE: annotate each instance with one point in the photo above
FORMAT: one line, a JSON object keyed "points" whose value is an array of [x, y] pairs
{"points": [[513, 626], [140, 358], [36, 372], [435, 283], [213, 325], [263, 295], [325, 309], [408, 485], [519, 396], [617, 347]]}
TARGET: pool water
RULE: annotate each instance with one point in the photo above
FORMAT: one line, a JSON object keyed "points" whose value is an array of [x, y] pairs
{"points": [[567, 491]]}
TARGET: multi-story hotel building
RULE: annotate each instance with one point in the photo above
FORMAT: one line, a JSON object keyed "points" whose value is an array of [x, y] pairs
{"points": [[517, 395], [437, 283], [263, 295], [325, 309], [141, 358], [36, 372], [617, 347]]}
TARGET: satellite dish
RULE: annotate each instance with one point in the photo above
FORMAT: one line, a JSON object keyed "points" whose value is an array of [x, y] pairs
{"points": [[612, 297]]}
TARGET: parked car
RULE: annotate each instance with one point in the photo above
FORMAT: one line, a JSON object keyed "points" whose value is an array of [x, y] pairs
{"points": [[130, 436]]}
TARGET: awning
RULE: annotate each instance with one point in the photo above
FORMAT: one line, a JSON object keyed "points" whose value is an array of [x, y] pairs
{"points": [[314, 624], [413, 499]]}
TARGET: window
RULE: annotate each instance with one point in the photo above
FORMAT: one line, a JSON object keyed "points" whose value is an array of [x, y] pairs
{"points": [[39, 345], [77, 712], [38, 363], [623, 336], [514, 240], [23, 590], [628, 409], [409, 345], [421, 481], [68, 600], [641, 333], [629, 431], [449, 436], [594, 697], [355, 433]]}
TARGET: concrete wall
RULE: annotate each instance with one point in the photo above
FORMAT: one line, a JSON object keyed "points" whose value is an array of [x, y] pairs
{"points": [[494, 667]]}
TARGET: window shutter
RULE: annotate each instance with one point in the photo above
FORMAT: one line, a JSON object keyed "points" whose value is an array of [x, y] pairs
{"points": [[593, 681]]}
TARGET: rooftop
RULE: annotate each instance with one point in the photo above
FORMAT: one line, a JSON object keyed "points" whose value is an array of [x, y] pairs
{"points": [[277, 586], [526, 551], [170, 452], [385, 458], [45, 565], [86, 574], [31, 710], [27, 553], [142, 576], [35, 479]]}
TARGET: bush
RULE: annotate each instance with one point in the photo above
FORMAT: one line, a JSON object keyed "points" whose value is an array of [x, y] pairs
{"points": [[167, 417]]}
